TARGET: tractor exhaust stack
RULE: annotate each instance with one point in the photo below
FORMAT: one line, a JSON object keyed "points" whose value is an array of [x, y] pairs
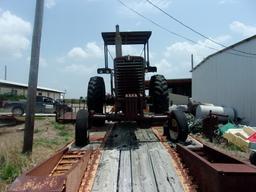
{"points": [[118, 42]]}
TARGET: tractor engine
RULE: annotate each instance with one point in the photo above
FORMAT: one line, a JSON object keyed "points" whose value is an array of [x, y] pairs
{"points": [[129, 84]]}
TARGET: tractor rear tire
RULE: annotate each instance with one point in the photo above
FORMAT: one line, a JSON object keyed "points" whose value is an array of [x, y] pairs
{"points": [[96, 97], [159, 94], [81, 128], [178, 126]]}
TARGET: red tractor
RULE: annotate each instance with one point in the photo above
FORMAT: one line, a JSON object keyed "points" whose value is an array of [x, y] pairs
{"points": [[127, 80]]}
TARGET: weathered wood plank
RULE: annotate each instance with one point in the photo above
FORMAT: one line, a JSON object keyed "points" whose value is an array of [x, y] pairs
{"points": [[106, 178], [166, 176], [144, 164], [125, 180], [139, 135], [109, 169], [151, 135], [142, 174]]}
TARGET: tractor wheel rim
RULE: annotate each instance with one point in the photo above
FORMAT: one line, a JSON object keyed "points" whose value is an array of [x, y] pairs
{"points": [[174, 133]]}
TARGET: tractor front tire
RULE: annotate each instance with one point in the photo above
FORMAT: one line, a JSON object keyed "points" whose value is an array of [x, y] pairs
{"points": [[159, 94], [81, 128], [96, 97], [177, 127]]}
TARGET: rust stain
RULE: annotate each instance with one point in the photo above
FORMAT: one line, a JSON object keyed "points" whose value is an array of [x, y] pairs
{"points": [[90, 173], [38, 184], [91, 170], [96, 138]]}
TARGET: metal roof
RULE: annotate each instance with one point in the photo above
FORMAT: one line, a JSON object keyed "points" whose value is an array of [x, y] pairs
{"points": [[225, 49], [133, 37], [25, 85]]}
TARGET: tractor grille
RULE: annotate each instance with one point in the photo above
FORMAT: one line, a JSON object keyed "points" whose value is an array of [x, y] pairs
{"points": [[129, 76]]}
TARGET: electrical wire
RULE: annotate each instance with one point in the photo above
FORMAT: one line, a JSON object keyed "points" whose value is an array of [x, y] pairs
{"points": [[176, 34], [141, 52], [110, 54], [195, 31]]}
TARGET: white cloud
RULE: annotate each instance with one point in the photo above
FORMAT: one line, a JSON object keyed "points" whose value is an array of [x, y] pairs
{"points": [[94, 50], [91, 50], [126, 50], [243, 29], [176, 59], [14, 34], [221, 2], [199, 50], [77, 68], [77, 53], [50, 3]]}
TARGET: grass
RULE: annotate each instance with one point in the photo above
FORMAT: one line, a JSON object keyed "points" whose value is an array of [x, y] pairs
{"points": [[12, 161], [62, 130], [233, 147], [49, 136], [39, 118], [11, 168]]}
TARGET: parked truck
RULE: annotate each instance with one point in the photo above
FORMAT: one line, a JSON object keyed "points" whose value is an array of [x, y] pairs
{"points": [[43, 105]]}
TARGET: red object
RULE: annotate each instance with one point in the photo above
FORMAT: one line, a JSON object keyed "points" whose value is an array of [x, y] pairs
{"points": [[252, 138]]}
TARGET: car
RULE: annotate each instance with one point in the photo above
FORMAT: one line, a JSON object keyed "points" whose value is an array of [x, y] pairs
{"points": [[43, 105]]}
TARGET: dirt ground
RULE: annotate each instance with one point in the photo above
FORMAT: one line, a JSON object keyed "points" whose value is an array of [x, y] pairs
{"points": [[49, 136]]}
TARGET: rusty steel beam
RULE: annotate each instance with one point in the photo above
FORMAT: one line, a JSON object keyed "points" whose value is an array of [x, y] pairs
{"points": [[63, 172], [215, 171], [121, 117]]}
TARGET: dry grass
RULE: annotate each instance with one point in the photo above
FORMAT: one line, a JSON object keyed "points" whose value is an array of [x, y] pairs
{"points": [[48, 137]]}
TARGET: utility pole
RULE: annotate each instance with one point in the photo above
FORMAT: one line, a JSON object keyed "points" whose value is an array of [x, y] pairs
{"points": [[192, 62], [5, 72], [33, 78]]}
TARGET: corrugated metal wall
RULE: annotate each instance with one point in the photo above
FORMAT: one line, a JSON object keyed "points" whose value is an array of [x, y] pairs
{"points": [[229, 80]]}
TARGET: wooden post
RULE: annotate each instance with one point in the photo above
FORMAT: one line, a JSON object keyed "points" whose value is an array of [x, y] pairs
{"points": [[33, 77]]}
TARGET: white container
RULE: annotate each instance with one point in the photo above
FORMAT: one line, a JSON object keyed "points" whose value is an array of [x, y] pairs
{"points": [[183, 108], [203, 111]]}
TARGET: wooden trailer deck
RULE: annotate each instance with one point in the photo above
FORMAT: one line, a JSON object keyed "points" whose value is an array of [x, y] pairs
{"points": [[121, 157], [134, 159]]}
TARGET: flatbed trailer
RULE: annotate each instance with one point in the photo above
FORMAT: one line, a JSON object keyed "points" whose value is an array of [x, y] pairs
{"points": [[124, 158]]}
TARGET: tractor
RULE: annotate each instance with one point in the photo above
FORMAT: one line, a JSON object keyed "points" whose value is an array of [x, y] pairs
{"points": [[128, 97]]}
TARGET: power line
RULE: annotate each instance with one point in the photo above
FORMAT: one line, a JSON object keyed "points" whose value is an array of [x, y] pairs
{"points": [[195, 31], [176, 34], [110, 54]]}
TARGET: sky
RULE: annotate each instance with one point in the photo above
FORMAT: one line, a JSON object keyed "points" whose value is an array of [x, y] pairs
{"points": [[72, 46]]}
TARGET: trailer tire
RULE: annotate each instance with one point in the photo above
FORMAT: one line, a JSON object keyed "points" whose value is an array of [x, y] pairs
{"points": [[253, 158], [178, 126], [96, 97], [159, 94], [81, 128]]}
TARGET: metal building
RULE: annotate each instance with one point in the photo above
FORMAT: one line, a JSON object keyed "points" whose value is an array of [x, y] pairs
{"points": [[13, 88], [228, 78]]}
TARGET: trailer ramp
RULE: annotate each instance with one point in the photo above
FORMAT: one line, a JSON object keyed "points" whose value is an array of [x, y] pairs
{"points": [[135, 160]]}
